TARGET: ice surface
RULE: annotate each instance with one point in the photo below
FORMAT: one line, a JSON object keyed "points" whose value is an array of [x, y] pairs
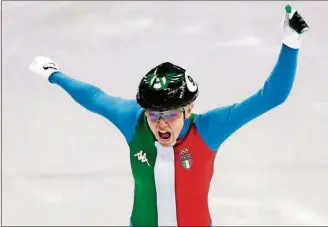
{"points": [[63, 165]]}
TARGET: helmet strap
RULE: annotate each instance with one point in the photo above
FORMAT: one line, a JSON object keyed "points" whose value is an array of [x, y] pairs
{"points": [[184, 115]]}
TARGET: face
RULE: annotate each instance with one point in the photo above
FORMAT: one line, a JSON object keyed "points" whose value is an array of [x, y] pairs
{"points": [[166, 126]]}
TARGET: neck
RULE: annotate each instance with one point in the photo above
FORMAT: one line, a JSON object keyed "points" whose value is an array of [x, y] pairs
{"points": [[185, 128]]}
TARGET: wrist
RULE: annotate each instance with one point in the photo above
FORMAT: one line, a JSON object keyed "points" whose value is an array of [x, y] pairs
{"points": [[293, 41], [52, 75]]}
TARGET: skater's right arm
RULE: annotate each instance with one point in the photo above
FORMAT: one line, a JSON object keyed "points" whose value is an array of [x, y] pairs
{"points": [[123, 113]]}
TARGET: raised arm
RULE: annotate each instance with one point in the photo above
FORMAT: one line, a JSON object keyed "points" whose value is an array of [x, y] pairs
{"points": [[123, 113], [218, 124]]}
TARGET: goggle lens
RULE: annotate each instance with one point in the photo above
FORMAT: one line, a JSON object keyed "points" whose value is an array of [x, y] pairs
{"points": [[167, 115]]}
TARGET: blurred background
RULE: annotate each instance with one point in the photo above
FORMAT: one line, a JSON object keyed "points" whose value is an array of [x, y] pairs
{"points": [[63, 165]]}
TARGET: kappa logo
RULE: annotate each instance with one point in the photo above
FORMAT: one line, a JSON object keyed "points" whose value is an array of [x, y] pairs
{"points": [[186, 159], [142, 157]]}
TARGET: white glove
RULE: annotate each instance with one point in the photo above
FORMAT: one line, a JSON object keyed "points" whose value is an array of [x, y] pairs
{"points": [[294, 27], [43, 66]]}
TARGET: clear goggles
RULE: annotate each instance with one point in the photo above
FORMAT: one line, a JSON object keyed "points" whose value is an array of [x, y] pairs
{"points": [[166, 115]]}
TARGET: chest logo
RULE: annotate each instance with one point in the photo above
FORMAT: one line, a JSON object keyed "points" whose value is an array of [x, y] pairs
{"points": [[186, 159], [142, 157]]}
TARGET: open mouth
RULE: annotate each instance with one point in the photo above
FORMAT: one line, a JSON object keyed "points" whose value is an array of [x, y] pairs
{"points": [[164, 135]]}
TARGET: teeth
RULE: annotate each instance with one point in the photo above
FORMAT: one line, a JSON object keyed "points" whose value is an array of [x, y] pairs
{"points": [[162, 131]]}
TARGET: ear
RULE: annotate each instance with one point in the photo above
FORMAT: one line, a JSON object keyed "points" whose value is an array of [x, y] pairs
{"points": [[189, 110]]}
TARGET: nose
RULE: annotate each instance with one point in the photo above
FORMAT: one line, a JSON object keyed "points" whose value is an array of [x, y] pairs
{"points": [[161, 123]]}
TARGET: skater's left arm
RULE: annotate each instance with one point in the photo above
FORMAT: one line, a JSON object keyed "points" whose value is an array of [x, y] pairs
{"points": [[218, 124]]}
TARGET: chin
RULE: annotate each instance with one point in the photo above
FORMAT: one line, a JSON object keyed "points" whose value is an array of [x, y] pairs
{"points": [[166, 144]]}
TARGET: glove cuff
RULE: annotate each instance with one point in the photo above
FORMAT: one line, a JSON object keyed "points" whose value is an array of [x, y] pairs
{"points": [[292, 41], [51, 76]]}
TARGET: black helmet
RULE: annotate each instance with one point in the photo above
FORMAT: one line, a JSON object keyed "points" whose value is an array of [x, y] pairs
{"points": [[166, 87]]}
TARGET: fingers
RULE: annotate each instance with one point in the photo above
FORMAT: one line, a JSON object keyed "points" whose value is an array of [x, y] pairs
{"points": [[295, 21], [43, 66], [290, 11], [42, 61]]}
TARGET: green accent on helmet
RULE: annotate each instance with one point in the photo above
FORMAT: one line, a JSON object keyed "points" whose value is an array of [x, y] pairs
{"points": [[166, 87], [159, 82]]}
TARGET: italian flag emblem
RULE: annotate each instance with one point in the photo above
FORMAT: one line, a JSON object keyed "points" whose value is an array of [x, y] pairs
{"points": [[186, 161]]}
